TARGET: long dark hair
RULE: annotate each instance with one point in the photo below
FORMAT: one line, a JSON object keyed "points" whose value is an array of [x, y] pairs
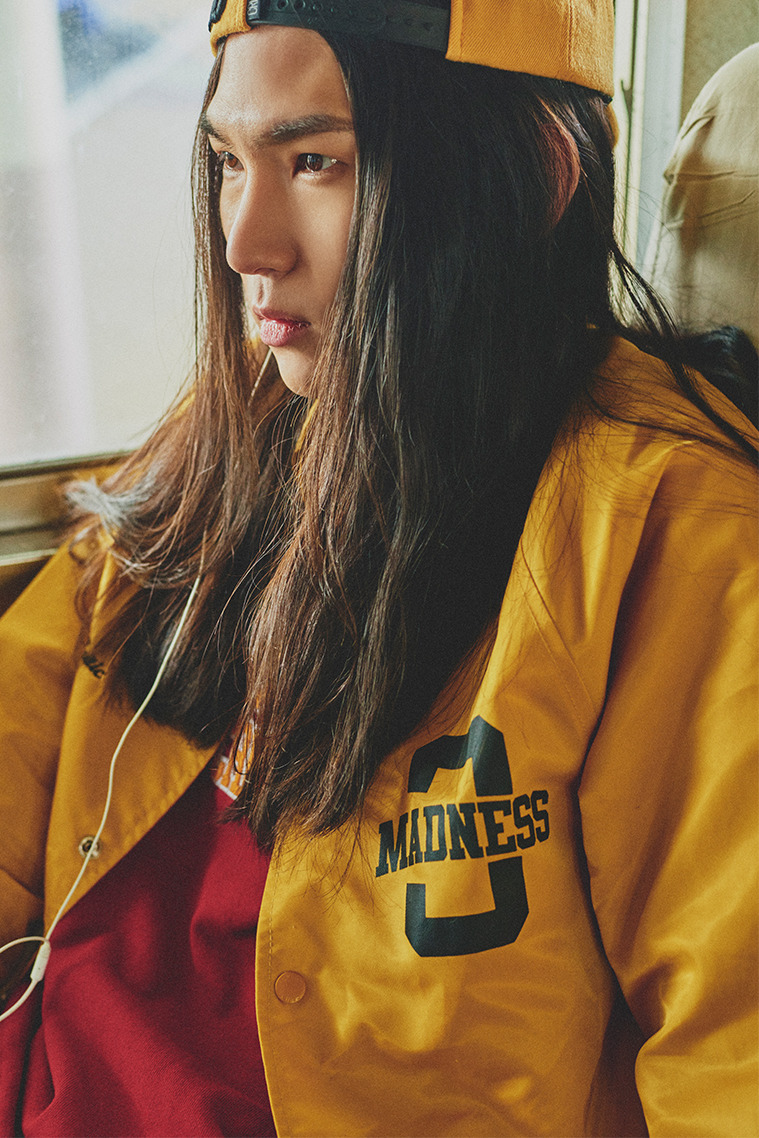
{"points": [[356, 547]]}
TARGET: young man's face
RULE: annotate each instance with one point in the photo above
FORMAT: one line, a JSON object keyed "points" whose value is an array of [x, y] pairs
{"points": [[281, 123]]}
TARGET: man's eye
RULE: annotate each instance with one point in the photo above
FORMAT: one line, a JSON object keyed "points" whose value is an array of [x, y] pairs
{"points": [[314, 163], [227, 160]]}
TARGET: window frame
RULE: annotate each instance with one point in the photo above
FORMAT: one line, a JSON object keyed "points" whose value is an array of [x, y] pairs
{"points": [[34, 515]]}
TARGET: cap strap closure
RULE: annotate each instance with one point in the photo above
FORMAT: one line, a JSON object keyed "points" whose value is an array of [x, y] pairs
{"points": [[400, 20]]}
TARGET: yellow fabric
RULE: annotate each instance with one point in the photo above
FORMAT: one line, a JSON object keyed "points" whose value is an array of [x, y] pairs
{"points": [[560, 39], [54, 723], [623, 684], [230, 23]]}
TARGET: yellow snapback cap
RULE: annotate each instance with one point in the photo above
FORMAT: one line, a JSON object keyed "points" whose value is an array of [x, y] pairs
{"points": [[571, 40]]}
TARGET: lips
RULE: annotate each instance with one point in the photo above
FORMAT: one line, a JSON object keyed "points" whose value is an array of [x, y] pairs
{"points": [[278, 330]]}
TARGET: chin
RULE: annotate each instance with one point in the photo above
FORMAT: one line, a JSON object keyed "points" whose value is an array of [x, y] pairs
{"points": [[295, 374]]}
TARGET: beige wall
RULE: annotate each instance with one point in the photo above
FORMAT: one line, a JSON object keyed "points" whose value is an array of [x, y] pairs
{"points": [[716, 30]]}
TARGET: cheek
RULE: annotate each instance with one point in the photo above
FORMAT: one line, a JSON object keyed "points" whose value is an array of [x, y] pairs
{"points": [[226, 213], [333, 236], [230, 194]]}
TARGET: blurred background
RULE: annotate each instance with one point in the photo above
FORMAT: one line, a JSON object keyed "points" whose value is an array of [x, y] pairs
{"points": [[98, 103]]}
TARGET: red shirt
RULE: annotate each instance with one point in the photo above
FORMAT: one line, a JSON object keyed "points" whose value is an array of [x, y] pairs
{"points": [[148, 1022]]}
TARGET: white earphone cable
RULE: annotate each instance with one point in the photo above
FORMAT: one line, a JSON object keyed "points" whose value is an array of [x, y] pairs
{"points": [[43, 955]]}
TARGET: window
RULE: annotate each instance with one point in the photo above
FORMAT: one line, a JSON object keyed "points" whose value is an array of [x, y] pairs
{"points": [[99, 101], [666, 50], [648, 65]]}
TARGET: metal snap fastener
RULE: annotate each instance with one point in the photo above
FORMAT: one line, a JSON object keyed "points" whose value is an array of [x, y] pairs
{"points": [[290, 987], [85, 846]]}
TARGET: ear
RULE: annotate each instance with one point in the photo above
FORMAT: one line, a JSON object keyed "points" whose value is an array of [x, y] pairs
{"points": [[561, 159]]}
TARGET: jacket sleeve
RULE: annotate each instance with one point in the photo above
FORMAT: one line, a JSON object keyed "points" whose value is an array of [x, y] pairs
{"points": [[668, 802], [38, 638]]}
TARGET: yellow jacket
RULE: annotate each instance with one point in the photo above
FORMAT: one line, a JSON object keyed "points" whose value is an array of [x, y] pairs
{"points": [[547, 916]]}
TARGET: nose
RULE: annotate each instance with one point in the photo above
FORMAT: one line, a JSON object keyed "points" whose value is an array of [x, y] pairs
{"points": [[258, 227]]}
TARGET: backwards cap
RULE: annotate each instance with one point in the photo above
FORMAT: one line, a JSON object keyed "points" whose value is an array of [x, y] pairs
{"points": [[558, 39]]}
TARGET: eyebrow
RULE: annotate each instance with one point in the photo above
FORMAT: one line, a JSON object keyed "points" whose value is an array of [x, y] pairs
{"points": [[286, 131]]}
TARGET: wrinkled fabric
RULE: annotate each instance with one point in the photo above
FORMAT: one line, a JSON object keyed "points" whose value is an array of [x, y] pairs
{"points": [[147, 1021], [703, 256], [545, 922]]}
